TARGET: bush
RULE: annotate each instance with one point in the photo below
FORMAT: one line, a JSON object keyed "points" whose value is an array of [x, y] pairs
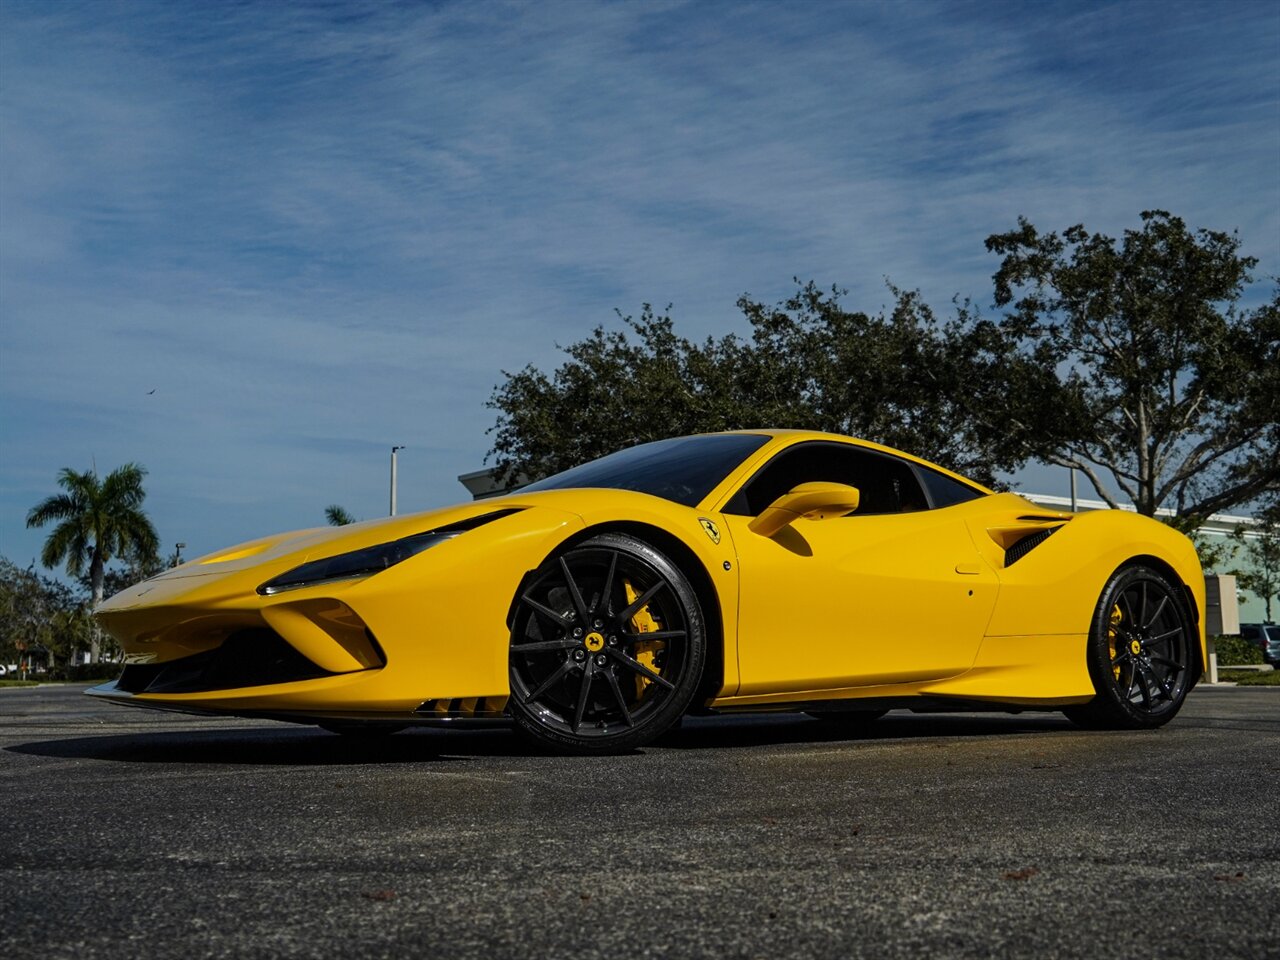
{"points": [[1236, 650], [85, 672], [1250, 678]]}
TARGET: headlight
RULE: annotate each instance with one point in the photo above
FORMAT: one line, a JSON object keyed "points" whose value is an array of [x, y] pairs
{"points": [[370, 560]]}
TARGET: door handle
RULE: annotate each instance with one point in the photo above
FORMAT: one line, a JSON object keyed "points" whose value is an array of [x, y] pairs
{"points": [[972, 569]]}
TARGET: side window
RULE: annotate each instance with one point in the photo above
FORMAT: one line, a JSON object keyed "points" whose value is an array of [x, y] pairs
{"points": [[943, 491], [887, 485]]}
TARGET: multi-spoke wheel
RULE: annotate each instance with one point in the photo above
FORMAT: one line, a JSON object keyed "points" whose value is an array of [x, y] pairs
{"points": [[1141, 653], [607, 647]]}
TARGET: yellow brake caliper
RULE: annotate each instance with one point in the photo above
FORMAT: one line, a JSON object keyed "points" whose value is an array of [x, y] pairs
{"points": [[645, 652], [1116, 617]]}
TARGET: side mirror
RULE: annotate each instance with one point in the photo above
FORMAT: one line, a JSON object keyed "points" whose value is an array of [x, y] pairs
{"points": [[814, 501]]}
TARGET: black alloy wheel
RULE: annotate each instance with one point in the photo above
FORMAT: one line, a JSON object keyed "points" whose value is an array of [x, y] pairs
{"points": [[1141, 653], [607, 647]]}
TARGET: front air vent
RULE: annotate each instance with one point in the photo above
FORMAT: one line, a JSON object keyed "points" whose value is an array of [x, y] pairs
{"points": [[1021, 548], [248, 658]]}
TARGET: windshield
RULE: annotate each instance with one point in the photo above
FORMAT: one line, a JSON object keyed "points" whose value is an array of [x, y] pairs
{"points": [[684, 469]]}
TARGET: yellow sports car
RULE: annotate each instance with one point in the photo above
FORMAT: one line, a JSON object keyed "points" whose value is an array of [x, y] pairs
{"points": [[747, 571]]}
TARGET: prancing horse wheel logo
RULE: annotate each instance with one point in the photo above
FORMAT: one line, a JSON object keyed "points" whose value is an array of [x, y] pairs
{"points": [[594, 642]]}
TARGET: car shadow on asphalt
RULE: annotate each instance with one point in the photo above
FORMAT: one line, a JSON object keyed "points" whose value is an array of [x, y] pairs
{"points": [[304, 746], [272, 746], [748, 730]]}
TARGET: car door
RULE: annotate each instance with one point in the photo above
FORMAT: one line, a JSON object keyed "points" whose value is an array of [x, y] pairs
{"points": [[894, 592]]}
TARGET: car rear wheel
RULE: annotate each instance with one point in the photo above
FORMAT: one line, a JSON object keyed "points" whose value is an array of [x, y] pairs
{"points": [[607, 647], [1140, 653]]}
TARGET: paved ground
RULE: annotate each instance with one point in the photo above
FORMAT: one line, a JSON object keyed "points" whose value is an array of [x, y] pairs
{"points": [[148, 835]]}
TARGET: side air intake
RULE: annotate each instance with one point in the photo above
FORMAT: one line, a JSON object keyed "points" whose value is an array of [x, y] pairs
{"points": [[1020, 548]]}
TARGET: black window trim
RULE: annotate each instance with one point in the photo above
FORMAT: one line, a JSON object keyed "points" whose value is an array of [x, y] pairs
{"points": [[920, 470], [914, 468]]}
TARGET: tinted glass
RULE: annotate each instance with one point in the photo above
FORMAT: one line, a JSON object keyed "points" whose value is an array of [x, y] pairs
{"points": [[943, 491], [886, 484], [684, 469]]}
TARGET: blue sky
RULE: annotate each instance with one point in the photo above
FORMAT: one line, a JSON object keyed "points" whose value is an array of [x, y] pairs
{"points": [[317, 230]]}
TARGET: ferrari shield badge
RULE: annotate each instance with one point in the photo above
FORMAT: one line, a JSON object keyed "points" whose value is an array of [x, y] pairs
{"points": [[710, 527]]}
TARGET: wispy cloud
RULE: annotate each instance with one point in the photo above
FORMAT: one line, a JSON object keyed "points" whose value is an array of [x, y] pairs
{"points": [[310, 228]]}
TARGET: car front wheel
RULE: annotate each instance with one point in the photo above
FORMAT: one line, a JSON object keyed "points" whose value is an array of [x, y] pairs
{"points": [[607, 647]]}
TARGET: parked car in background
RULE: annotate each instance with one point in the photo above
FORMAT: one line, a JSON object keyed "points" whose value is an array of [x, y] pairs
{"points": [[1266, 636]]}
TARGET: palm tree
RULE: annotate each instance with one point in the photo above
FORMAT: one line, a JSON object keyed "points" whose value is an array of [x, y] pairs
{"points": [[337, 515], [98, 521]]}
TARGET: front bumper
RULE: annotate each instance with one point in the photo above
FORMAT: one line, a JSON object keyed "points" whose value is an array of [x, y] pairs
{"points": [[432, 628]]}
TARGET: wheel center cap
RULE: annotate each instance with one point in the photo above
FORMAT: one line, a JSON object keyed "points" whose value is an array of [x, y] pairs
{"points": [[1135, 647], [594, 642]]}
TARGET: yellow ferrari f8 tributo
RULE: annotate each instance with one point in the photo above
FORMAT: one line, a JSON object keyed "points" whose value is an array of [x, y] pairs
{"points": [[747, 571]]}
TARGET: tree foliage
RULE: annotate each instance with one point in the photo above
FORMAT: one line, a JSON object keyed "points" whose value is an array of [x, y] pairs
{"points": [[96, 521], [37, 611], [619, 388], [1261, 574], [1127, 360], [338, 516], [810, 363], [1163, 387]]}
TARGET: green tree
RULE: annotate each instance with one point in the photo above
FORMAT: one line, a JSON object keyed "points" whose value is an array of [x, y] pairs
{"points": [[338, 516], [895, 377], [1161, 385], [1130, 361], [1261, 576], [96, 521], [618, 388], [36, 612], [901, 377]]}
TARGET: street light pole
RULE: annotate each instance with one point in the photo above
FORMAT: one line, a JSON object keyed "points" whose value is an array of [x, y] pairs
{"points": [[177, 554], [1074, 504], [394, 451]]}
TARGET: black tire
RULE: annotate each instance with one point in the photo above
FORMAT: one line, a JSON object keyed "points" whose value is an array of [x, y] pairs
{"points": [[588, 674], [361, 728], [1141, 653]]}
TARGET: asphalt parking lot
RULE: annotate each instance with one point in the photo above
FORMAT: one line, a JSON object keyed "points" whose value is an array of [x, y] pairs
{"points": [[131, 834]]}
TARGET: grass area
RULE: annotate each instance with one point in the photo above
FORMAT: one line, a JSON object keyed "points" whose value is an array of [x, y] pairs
{"points": [[19, 683], [1251, 678]]}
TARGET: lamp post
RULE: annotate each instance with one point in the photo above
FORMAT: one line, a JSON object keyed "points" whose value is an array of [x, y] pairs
{"points": [[394, 451], [177, 553]]}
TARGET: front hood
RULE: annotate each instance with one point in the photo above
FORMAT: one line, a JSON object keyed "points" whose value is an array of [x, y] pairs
{"points": [[303, 545], [242, 567], [283, 551]]}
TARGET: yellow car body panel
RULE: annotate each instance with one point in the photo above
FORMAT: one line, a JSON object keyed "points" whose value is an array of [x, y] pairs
{"points": [[864, 607], [889, 605]]}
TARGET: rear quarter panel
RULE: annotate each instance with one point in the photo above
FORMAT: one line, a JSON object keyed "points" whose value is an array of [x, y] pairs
{"points": [[1054, 589]]}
